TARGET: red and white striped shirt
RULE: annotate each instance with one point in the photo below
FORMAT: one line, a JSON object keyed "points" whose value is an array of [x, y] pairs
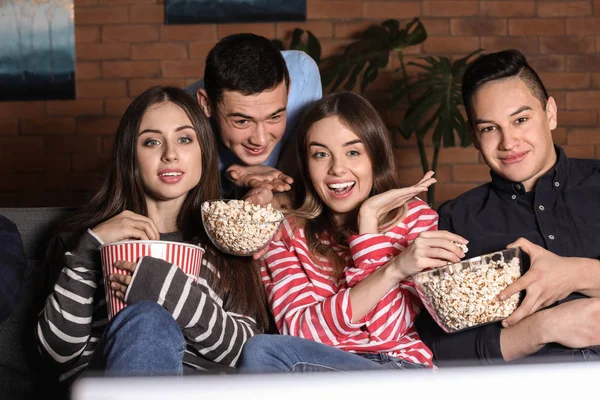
{"points": [[307, 302]]}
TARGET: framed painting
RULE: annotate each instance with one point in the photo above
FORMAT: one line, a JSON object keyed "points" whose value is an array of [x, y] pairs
{"points": [[37, 50], [229, 11]]}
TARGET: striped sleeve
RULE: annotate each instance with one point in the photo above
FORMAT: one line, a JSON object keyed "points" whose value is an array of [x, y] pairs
{"points": [[218, 335], [74, 315], [303, 306], [394, 315]]}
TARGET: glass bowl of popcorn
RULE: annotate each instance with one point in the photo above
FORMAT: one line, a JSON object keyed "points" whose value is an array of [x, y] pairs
{"points": [[239, 227], [464, 295]]}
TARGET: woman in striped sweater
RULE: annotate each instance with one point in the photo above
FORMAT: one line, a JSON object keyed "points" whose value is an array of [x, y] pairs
{"points": [[338, 282], [163, 167]]}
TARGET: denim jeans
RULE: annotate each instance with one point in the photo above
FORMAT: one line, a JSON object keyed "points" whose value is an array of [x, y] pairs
{"points": [[283, 353], [143, 339]]}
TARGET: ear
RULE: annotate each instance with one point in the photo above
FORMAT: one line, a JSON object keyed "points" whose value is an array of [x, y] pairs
{"points": [[204, 102], [551, 113]]}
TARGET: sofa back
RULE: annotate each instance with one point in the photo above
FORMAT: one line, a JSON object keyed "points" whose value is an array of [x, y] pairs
{"points": [[22, 374]]}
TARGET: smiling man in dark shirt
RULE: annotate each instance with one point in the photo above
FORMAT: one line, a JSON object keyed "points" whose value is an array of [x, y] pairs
{"points": [[538, 199]]}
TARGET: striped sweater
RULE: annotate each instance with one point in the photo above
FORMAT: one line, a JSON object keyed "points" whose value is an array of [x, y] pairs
{"points": [[75, 314], [307, 302]]}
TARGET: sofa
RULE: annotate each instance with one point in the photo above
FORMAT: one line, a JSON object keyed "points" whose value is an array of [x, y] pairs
{"points": [[23, 374]]}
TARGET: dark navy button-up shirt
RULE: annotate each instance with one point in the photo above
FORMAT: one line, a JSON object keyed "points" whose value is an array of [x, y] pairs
{"points": [[12, 267], [562, 214]]}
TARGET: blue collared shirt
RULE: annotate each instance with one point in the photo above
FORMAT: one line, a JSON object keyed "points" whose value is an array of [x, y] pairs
{"points": [[305, 88]]}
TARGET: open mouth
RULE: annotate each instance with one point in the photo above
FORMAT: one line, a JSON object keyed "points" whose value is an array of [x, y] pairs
{"points": [[170, 174], [341, 188], [256, 150]]}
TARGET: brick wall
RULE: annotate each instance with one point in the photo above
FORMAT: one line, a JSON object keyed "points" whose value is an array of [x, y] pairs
{"points": [[53, 152]]}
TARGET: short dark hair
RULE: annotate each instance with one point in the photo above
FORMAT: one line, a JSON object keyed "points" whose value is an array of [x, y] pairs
{"points": [[244, 63], [500, 65]]}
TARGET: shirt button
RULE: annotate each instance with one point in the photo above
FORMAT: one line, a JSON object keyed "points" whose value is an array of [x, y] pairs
{"points": [[556, 184], [514, 196], [551, 237], [541, 208], [519, 187]]}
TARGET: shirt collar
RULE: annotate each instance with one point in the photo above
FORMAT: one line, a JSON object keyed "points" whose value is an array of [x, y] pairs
{"points": [[557, 176]]}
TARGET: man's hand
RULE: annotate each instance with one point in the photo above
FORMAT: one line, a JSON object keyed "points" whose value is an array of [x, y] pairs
{"points": [[259, 176], [259, 196], [575, 324], [550, 278]]}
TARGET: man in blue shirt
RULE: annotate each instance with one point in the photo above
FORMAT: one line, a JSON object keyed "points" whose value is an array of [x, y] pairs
{"points": [[12, 267], [255, 96], [538, 199]]}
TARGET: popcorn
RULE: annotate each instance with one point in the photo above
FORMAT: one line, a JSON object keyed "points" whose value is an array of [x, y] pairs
{"points": [[465, 294], [461, 246], [239, 227]]}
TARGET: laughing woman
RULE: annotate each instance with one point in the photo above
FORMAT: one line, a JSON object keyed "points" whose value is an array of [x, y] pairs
{"points": [[338, 281], [163, 167]]}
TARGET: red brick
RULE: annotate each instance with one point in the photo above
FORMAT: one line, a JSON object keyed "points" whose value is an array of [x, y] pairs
{"points": [[73, 144], [107, 144], [112, 2], [101, 15], [131, 69], [24, 181], [571, 8], [478, 27], [130, 33], [458, 155], [597, 8], [585, 151], [499, 9], [584, 136], [463, 8], [330, 47], [158, 51], [137, 86], [33, 163], [87, 163], [182, 69], [559, 135], [146, 13], [578, 118], [410, 175], [596, 80], [23, 145], [455, 44], [9, 200], [470, 173], [583, 63], [116, 107], [583, 100], [436, 26], [22, 109], [9, 126], [75, 181], [87, 70], [583, 26], [449, 191], [409, 157], [97, 126], [384, 9], [185, 33], [526, 44], [565, 80], [537, 27], [262, 29], [568, 45], [319, 28], [547, 62], [73, 108], [199, 50], [351, 29], [48, 125], [84, 3], [102, 51], [101, 89], [326, 9], [41, 197], [560, 97], [87, 34]]}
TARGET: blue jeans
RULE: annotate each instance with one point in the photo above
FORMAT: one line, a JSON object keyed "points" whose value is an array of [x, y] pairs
{"points": [[283, 353], [143, 339]]}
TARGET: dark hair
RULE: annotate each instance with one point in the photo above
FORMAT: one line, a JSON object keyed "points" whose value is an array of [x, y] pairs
{"points": [[244, 63], [358, 115], [494, 66], [122, 189]]}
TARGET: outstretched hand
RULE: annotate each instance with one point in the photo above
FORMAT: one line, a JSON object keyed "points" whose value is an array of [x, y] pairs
{"points": [[548, 280], [259, 176]]}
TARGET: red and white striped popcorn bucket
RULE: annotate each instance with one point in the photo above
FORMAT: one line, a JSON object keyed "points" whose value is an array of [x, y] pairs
{"points": [[185, 256]]}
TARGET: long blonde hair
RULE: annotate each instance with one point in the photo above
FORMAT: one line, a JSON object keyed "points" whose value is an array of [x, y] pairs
{"points": [[358, 115]]}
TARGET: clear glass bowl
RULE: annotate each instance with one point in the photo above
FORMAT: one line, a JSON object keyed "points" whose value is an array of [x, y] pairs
{"points": [[238, 227], [464, 295]]}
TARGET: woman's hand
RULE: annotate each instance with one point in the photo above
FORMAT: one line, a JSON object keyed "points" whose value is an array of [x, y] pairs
{"points": [[431, 249], [120, 282], [127, 225], [376, 206]]}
